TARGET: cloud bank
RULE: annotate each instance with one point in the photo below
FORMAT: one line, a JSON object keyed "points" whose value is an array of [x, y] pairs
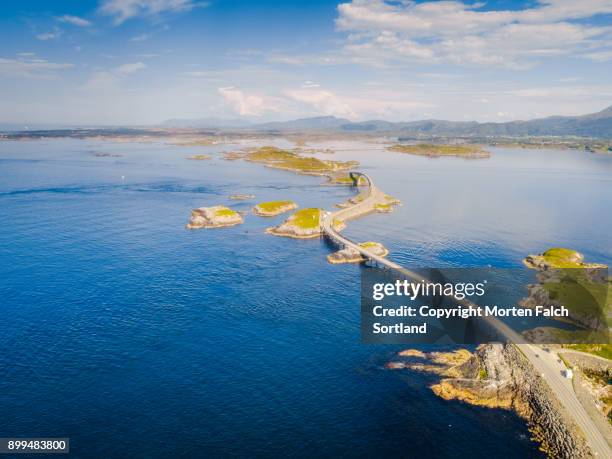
{"points": [[458, 33]]}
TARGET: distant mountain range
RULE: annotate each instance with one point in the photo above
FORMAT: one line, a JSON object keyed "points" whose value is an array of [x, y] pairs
{"points": [[206, 123], [592, 125], [597, 125]]}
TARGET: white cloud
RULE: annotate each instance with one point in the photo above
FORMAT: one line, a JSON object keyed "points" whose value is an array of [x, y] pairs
{"points": [[28, 67], [141, 37], [324, 102], [126, 69], [122, 10], [102, 82], [601, 56], [455, 32], [241, 103], [109, 81], [55, 33], [74, 20]]}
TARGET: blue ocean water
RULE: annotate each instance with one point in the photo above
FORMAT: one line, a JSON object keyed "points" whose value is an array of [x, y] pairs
{"points": [[137, 338]]}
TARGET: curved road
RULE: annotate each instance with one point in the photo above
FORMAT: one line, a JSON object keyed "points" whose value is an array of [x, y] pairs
{"points": [[545, 363]]}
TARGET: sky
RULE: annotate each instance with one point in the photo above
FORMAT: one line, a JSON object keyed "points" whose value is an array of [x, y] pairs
{"points": [[140, 62]]}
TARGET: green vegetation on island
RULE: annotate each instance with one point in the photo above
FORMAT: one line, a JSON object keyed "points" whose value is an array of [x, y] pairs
{"points": [[200, 157], [350, 255], [213, 217], [384, 208], [306, 218], [346, 179], [438, 150], [283, 159], [197, 142], [303, 224], [558, 257], [225, 212], [272, 208]]}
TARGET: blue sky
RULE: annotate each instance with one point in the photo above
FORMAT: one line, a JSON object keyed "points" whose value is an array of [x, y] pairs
{"points": [[144, 61]]}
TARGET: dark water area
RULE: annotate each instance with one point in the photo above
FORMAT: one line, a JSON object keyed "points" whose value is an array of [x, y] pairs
{"points": [[137, 338]]}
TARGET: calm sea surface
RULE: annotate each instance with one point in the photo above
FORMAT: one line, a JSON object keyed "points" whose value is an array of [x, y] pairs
{"points": [[137, 338]]}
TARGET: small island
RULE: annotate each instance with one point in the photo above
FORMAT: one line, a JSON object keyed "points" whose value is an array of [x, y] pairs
{"points": [[232, 155], [241, 197], [213, 217], [200, 157], [350, 255], [291, 161], [304, 224], [440, 150], [272, 208], [558, 258], [100, 154]]}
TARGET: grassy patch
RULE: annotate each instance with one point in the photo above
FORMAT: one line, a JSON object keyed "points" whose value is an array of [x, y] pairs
{"points": [[559, 257], [225, 212], [429, 149], [274, 206], [385, 207], [309, 218], [584, 297], [284, 159]]}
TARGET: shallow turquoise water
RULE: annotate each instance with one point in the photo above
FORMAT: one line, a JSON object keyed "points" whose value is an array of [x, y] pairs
{"points": [[137, 338]]}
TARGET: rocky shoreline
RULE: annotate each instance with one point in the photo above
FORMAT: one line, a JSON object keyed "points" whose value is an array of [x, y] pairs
{"points": [[499, 376]]}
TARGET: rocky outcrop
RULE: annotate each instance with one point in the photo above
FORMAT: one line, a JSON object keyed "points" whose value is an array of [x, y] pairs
{"points": [[499, 376], [304, 224], [350, 255], [272, 208], [213, 217]]}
